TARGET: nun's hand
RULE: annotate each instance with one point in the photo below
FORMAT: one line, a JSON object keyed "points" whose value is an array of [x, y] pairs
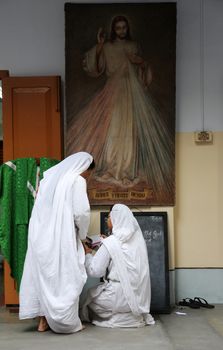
{"points": [[87, 249]]}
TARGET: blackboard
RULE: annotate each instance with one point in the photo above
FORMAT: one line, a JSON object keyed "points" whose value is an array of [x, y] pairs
{"points": [[154, 229]]}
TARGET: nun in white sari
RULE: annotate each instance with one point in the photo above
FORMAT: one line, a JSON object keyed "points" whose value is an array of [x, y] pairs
{"points": [[54, 272], [124, 299]]}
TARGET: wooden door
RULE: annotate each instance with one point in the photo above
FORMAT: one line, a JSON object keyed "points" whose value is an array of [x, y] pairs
{"points": [[31, 117], [32, 127]]}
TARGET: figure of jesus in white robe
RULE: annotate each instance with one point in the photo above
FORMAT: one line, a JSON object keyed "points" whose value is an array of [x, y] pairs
{"points": [[122, 126]]}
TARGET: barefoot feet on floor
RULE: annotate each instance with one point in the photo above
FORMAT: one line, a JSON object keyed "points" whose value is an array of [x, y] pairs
{"points": [[43, 325]]}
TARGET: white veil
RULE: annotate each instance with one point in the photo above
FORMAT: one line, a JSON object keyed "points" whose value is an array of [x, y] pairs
{"points": [[129, 253], [57, 270]]}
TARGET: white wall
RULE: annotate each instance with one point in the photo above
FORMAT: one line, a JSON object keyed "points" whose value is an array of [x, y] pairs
{"points": [[32, 37], [189, 111]]}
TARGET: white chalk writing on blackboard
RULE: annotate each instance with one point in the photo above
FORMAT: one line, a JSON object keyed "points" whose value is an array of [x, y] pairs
{"points": [[156, 218], [152, 235]]}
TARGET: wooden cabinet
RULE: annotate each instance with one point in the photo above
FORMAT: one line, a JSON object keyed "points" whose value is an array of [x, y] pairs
{"points": [[31, 117], [32, 127]]}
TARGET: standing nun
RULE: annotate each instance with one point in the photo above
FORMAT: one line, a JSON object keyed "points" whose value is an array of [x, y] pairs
{"points": [[124, 299], [54, 272]]}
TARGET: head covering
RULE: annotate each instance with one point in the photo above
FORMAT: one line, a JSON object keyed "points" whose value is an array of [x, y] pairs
{"points": [[129, 253], [54, 202], [73, 166], [123, 222], [58, 273]]}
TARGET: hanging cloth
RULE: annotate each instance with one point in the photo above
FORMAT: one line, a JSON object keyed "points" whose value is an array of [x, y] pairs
{"points": [[18, 187]]}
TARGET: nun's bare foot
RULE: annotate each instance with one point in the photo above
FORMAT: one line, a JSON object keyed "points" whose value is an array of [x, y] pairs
{"points": [[43, 325], [83, 327]]}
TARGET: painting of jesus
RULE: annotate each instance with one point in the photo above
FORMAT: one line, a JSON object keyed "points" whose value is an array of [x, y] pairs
{"points": [[120, 122]]}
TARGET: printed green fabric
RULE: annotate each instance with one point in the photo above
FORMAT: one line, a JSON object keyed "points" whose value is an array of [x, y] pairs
{"points": [[16, 203], [46, 163]]}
